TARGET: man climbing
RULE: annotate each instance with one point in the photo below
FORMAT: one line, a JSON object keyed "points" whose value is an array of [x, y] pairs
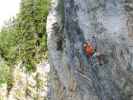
{"points": [[89, 50], [90, 47]]}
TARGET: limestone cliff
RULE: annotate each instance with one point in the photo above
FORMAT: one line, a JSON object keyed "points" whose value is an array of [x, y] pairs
{"points": [[69, 24]]}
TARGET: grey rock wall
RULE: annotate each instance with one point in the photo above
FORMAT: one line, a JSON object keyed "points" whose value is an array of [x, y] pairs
{"points": [[69, 24]]}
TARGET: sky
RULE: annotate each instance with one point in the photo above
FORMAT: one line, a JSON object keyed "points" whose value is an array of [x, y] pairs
{"points": [[8, 8]]}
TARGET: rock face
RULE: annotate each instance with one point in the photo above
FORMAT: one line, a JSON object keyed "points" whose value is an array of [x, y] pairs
{"points": [[69, 24]]}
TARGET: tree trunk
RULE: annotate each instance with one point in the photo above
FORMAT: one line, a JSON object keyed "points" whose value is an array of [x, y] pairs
{"points": [[70, 23]]}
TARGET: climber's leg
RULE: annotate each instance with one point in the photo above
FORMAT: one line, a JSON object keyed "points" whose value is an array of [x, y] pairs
{"points": [[90, 59]]}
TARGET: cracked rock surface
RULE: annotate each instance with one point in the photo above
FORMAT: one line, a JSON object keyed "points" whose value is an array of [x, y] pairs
{"points": [[69, 24]]}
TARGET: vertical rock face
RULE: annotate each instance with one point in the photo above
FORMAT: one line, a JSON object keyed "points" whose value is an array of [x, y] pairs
{"points": [[69, 24]]}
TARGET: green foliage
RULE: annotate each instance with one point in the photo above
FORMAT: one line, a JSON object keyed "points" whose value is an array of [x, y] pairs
{"points": [[4, 70], [19, 40], [32, 20], [8, 39]]}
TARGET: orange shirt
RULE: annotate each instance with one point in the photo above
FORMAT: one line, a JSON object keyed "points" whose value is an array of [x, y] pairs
{"points": [[89, 50]]}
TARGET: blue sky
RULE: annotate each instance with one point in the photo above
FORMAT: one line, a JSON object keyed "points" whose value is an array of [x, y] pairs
{"points": [[8, 8]]}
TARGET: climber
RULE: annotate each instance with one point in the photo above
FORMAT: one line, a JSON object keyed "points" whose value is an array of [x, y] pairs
{"points": [[90, 48]]}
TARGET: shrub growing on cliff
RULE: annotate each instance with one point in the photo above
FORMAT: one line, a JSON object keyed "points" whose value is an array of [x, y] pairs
{"points": [[24, 38]]}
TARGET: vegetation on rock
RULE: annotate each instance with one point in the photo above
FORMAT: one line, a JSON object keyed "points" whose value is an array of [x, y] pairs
{"points": [[23, 38]]}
